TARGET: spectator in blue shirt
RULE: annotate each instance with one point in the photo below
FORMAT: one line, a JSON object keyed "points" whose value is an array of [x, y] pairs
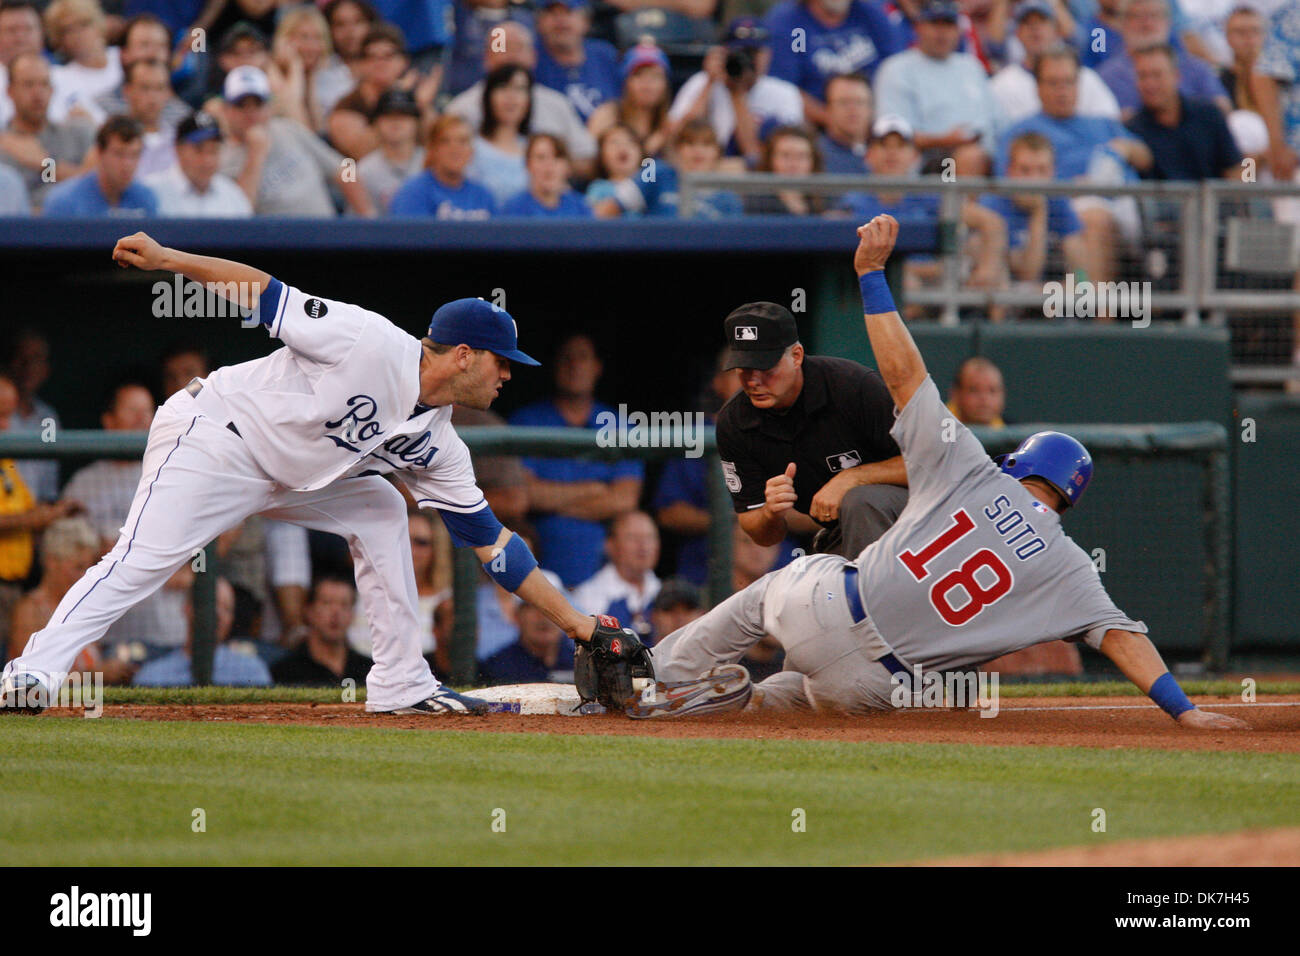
{"points": [[474, 22], [848, 125], [1146, 23], [584, 70], [570, 498], [1189, 139], [428, 25], [1099, 36], [697, 150], [442, 191], [110, 189], [619, 159], [542, 654], [838, 36], [1035, 223], [681, 500], [1087, 148], [230, 668], [893, 154], [548, 194], [13, 194]]}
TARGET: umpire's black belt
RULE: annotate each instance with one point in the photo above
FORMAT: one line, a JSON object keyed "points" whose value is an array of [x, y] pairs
{"points": [[196, 386], [859, 613]]}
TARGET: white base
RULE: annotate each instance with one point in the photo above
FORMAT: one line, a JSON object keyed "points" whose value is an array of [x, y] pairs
{"points": [[531, 699], [541, 699]]}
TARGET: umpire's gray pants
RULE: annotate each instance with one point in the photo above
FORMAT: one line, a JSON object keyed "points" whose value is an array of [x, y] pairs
{"points": [[866, 513], [830, 661]]}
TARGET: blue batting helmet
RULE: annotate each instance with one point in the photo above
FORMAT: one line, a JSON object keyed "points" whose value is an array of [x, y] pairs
{"points": [[1056, 458]]}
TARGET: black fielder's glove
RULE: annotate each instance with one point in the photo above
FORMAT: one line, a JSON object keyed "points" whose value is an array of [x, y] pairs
{"points": [[605, 666]]}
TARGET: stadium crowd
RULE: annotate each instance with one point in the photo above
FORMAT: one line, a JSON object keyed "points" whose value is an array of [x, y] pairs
{"points": [[469, 109]]}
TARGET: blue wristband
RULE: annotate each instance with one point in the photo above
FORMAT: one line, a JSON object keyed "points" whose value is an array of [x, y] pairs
{"points": [[512, 564], [876, 298], [1169, 696]]}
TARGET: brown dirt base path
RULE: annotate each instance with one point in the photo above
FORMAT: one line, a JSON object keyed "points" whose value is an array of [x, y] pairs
{"points": [[1246, 848], [1044, 721]]}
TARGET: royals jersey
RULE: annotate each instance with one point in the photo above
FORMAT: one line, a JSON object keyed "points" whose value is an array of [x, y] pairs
{"points": [[342, 400], [976, 566]]}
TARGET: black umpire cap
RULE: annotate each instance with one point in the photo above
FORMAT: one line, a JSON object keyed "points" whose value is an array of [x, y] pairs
{"points": [[758, 333]]}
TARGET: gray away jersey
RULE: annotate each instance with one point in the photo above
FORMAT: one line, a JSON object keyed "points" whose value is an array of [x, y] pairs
{"points": [[976, 566]]}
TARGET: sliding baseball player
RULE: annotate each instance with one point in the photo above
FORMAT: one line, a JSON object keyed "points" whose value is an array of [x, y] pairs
{"points": [[976, 566], [305, 435]]}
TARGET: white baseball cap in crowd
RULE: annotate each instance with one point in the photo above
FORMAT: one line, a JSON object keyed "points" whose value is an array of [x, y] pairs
{"points": [[891, 123], [246, 81]]}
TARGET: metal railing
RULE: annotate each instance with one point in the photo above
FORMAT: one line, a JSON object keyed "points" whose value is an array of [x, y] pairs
{"points": [[1200, 231]]}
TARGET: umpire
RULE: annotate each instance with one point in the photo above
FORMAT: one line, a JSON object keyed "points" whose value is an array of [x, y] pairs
{"points": [[807, 434]]}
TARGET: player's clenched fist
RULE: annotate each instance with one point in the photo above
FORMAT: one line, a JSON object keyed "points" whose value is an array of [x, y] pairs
{"points": [[875, 242], [779, 492], [139, 250]]}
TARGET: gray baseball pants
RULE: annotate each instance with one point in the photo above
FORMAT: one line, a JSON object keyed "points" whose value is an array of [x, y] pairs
{"points": [[831, 662]]}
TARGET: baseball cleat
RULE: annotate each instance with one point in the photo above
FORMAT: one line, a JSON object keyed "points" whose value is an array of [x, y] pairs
{"points": [[443, 701], [23, 694], [727, 687]]}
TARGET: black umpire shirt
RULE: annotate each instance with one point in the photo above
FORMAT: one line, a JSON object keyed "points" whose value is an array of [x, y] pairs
{"points": [[840, 420]]}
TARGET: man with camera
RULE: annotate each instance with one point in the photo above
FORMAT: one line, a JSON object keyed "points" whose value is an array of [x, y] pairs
{"points": [[735, 94]]}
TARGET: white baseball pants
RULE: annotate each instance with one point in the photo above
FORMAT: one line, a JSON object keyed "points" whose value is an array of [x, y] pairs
{"points": [[199, 480]]}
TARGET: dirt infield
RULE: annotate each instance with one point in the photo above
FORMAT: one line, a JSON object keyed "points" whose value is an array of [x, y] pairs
{"points": [[1044, 721], [1247, 848]]}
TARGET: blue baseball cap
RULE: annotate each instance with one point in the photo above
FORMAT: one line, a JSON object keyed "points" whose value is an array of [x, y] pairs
{"points": [[1040, 7], [644, 54], [480, 325], [941, 10]]}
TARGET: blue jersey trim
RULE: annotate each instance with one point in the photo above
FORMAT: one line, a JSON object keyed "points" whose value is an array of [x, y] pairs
{"points": [[474, 530], [268, 306]]}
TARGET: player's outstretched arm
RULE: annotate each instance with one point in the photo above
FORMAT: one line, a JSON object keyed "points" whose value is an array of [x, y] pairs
{"points": [[897, 357], [1140, 662], [232, 280], [511, 564]]}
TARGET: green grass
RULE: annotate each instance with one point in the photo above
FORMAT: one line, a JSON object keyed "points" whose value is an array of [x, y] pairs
{"points": [[122, 792], [329, 695]]}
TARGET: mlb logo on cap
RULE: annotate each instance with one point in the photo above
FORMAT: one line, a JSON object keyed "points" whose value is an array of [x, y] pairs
{"points": [[758, 334]]}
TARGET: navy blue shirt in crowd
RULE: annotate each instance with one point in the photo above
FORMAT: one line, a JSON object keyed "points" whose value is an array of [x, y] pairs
{"points": [[426, 195], [514, 664], [587, 85], [840, 159], [573, 548], [571, 206], [1199, 147]]}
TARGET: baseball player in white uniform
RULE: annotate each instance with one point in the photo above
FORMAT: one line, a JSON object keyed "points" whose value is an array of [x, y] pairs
{"points": [[976, 566], [305, 435]]}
